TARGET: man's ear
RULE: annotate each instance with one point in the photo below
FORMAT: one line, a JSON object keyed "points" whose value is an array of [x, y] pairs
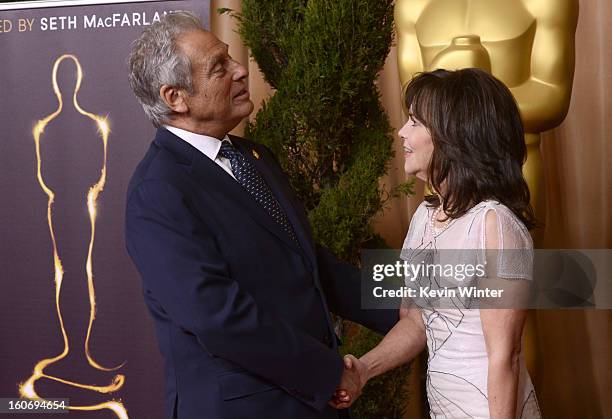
{"points": [[174, 98]]}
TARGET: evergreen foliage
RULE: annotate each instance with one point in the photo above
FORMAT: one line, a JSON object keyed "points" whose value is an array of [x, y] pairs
{"points": [[327, 127]]}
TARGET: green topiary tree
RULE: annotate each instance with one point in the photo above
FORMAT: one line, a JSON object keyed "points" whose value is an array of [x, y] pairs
{"points": [[326, 125]]}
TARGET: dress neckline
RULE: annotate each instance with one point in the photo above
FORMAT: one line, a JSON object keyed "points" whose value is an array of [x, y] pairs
{"points": [[435, 232]]}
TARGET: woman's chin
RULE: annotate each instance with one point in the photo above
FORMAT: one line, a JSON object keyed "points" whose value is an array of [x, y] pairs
{"points": [[419, 174], [410, 171]]}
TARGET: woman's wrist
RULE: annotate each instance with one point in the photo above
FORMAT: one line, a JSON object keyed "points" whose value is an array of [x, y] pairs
{"points": [[369, 363]]}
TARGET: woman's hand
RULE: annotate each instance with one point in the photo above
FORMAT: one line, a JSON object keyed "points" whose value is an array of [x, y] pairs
{"points": [[399, 346], [354, 378]]}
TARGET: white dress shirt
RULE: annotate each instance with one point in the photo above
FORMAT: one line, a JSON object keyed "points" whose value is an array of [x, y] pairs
{"points": [[209, 146]]}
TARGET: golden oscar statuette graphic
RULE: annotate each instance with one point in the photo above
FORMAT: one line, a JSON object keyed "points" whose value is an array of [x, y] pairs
{"points": [[27, 389], [527, 44]]}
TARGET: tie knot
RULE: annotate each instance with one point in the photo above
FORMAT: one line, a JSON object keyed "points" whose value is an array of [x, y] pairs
{"points": [[228, 150]]}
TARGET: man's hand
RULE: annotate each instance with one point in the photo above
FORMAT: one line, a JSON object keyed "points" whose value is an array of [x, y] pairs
{"points": [[354, 378]]}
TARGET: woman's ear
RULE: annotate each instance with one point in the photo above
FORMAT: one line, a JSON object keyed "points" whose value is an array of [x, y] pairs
{"points": [[174, 98]]}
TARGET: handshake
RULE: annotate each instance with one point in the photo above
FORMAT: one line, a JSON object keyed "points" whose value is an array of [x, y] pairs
{"points": [[354, 378]]}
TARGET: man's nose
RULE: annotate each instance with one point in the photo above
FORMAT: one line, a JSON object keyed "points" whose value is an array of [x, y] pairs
{"points": [[239, 71]]}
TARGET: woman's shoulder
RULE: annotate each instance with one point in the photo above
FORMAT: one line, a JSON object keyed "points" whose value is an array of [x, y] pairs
{"points": [[420, 215], [501, 211], [511, 230], [416, 230], [422, 210]]}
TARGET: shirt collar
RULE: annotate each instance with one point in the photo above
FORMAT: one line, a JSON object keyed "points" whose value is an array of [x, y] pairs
{"points": [[209, 146]]}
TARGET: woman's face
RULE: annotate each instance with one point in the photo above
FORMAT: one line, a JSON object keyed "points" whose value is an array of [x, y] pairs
{"points": [[418, 148]]}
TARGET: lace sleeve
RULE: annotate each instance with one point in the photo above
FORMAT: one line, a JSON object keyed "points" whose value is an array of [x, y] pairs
{"points": [[508, 245]]}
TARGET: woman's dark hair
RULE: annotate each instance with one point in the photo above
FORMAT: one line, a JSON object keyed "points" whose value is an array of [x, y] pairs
{"points": [[478, 140]]}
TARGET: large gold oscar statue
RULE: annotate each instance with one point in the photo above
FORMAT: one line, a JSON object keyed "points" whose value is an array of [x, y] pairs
{"points": [[527, 44]]}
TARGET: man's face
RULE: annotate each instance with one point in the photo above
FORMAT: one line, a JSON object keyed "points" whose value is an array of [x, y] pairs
{"points": [[220, 96]]}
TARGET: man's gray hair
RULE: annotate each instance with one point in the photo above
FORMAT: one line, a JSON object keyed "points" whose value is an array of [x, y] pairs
{"points": [[156, 60]]}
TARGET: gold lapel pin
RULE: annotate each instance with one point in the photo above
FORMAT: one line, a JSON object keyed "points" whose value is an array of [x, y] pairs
{"points": [[255, 154]]}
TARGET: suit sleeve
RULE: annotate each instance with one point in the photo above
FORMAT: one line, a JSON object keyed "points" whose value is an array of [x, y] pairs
{"points": [[182, 268], [341, 283]]}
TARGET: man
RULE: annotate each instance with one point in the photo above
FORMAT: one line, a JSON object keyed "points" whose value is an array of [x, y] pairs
{"points": [[238, 291]]}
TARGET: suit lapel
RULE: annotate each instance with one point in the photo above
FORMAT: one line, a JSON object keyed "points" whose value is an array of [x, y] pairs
{"points": [[282, 194], [217, 181]]}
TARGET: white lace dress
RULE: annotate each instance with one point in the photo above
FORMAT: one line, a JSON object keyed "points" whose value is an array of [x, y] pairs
{"points": [[458, 363]]}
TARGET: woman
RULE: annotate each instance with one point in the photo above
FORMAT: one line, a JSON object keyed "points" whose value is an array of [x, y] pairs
{"points": [[464, 138]]}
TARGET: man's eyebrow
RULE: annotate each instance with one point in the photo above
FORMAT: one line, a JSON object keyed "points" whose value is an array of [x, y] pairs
{"points": [[218, 56]]}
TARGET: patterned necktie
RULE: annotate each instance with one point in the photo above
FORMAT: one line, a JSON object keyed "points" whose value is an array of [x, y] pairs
{"points": [[251, 180]]}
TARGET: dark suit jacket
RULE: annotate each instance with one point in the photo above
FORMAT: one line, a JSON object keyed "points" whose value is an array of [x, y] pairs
{"points": [[241, 311]]}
